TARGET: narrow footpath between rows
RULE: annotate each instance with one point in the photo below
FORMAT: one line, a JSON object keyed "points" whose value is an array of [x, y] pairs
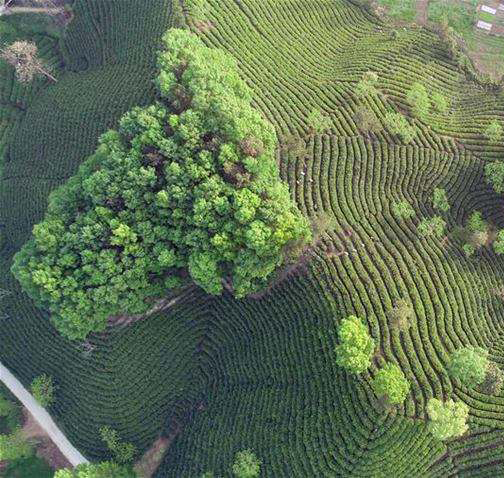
{"points": [[41, 416]]}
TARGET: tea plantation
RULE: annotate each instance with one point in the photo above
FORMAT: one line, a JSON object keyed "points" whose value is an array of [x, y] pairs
{"points": [[229, 374]]}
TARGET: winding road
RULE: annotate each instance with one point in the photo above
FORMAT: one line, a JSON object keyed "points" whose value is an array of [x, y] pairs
{"points": [[41, 416]]}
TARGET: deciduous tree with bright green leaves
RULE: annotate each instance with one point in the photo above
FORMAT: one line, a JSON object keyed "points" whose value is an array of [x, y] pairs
{"points": [[493, 132], [469, 365], [403, 210], [186, 189], [440, 200], [391, 384], [433, 226], [42, 389], [494, 175], [356, 347], [246, 465], [447, 419]]}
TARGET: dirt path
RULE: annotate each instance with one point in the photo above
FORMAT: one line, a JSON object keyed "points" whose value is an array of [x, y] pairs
{"points": [[41, 416]]}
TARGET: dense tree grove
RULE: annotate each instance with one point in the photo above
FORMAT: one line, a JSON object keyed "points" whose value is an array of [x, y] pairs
{"points": [[356, 346], [185, 189], [469, 365], [447, 419]]}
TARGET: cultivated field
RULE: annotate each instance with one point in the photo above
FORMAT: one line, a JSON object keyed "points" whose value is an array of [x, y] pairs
{"points": [[261, 374]]}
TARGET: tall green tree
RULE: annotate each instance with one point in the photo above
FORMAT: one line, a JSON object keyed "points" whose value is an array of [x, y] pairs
{"points": [[186, 190], [494, 175], [469, 365], [356, 347], [447, 419], [42, 389], [246, 465], [391, 384]]}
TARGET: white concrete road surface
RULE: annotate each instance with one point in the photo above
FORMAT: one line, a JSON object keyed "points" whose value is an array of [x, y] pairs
{"points": [[43, 418]]}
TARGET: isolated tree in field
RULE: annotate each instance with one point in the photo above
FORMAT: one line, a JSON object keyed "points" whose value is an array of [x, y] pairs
{"points": [[246, 465], [367, 121], [318, 122], [186, 191], [432, 227], [398, 124], [123, 452], [401, 314], [439, 102], [367, 85], [14, 446], [494, 175], [42, 389], [440, 200], [418, 99], [356, 347], [498, 244], [106, 469], [23, 56], [391, 384], [447, 419], [493, 132], [478, 230], [403, 210], [468, 249], [494, 380], [469, 365]]}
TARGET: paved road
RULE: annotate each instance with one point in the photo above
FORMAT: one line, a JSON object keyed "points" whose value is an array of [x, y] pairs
{"points": [[43, 418]]}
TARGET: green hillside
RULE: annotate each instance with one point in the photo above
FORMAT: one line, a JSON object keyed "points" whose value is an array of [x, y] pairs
{"points": [[261, 373]]}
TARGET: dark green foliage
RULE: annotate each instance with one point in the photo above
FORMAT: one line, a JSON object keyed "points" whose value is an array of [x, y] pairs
{"points": [[494, 174], [14, 447], [356, 346], [42, 389], [185, 186], [494, 379], [31, 467], [367, 85], [246, 465], [123, 452], [105, 469], [469, 365], [390, 383]]}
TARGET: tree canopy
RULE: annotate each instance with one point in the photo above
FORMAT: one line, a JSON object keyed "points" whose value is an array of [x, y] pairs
{"points": [[447, 419], [186, 189], [469, 365], [246, 465], [356, 346], [391, 383], [106, 469]]}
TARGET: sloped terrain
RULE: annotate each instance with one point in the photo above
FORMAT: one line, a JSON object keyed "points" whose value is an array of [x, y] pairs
{"points": [[261, 374]]}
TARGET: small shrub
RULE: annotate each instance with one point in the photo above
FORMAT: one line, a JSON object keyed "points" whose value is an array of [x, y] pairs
{"points": [[447, 419], [14, 447], [401, 313], [476, 223], [42, 389], [433, 226], [419, 100], [468, 249], [494, 379], [367, 121], [439, 102], [469, 365], [440, 200], [398, 124], [123, 452], [318, 122], [403, 210], [498, 244], [356, 346], [391, 383], [246, 465]]}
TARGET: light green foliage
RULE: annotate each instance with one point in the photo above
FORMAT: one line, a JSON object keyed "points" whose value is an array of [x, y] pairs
{"points": [[391, 383], [493, 132], [498, 244], [356, 347], [367, 85], [476, 223], [189, 184], [439, 102], [404, 10], [106, 469], [14, 447], [469, 365], [246, 465], [398, 124], [403, 210], [318, 122], [198, 9], [440, 200], [447, 419], [418, 99], [433, 226], [494, 175], [42, 389], [123, 452], [469, 249]]}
